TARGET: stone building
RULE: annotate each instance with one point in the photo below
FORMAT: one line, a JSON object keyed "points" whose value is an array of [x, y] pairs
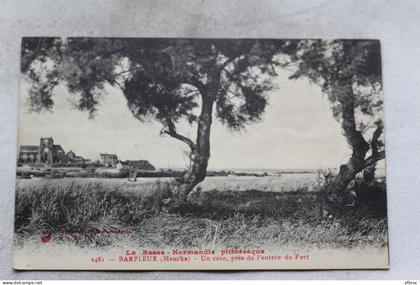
{"points": [[76, 158], [28, 153], [50, 153], [47, 153], [109, 159]]}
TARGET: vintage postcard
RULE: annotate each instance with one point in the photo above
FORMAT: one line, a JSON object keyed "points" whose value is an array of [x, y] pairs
{"points": [[200, 154]]}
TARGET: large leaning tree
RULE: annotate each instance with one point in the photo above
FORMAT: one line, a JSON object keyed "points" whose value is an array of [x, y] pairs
{"points": [[167, 80], [349, 73]]}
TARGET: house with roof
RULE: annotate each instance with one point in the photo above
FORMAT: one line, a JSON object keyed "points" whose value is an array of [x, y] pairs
{"points": [[139, 165], [109, 159]]}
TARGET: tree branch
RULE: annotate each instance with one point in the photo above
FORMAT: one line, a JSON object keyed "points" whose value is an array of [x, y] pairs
{"points": [[129, 70], [354, 137], [115, 82], [195, 82], [374, 159], [172, 132], [224, 64], [374, 143]]}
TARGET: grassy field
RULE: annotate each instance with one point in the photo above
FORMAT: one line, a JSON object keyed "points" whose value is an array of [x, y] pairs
{"points": [[283, 183], [106, 212]]}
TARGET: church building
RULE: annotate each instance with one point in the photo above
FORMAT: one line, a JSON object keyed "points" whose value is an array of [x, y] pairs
{"points": [[46, 153]]}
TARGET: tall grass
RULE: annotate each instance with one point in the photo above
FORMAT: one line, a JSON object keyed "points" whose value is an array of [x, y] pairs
{"points": [[66, 205], [86, 209]]}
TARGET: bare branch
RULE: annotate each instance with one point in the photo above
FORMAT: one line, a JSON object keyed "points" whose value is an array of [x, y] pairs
{"points": [[273, 68], [371, 160], [115, 82], [191, 92], [229, 60], [374, 143], [194, 81], [129, 70], [172, 132]]}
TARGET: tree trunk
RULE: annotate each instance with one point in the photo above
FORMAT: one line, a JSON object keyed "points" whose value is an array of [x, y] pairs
{"points": [[355, 140], [335, 192], [369, 174], [201, 154]]}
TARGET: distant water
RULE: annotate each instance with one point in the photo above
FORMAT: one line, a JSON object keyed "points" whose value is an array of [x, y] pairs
{"points": [[272, 171], [380, 172]]}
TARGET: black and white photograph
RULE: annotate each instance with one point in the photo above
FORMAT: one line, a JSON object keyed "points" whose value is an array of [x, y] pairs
{"points": [[200, 154]]}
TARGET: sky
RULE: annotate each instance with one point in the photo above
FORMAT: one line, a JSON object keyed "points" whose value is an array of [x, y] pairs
{"points": [[297, 131]]}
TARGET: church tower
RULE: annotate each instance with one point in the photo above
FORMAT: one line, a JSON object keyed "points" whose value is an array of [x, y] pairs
{"points": [[46, 150]]}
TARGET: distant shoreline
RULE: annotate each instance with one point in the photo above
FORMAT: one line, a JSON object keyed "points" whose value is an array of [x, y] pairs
{"points": [[61, 172], [102, 172]]}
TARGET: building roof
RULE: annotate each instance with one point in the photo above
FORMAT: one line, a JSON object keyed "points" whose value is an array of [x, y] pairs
{"points": [[57, 147], [29, 148], [108, 155], [139, 164]]}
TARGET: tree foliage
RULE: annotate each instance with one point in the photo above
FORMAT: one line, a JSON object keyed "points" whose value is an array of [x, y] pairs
{"points": [[166, 80], [355, 63], [160, 78], [169, 80], [349, 73]]}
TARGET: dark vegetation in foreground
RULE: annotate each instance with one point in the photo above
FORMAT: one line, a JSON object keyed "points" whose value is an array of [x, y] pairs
{"points": [[85, 211]]}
